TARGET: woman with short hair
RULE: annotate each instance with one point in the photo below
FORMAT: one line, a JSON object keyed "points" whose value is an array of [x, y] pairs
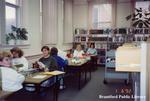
{"points": [[78, 52], [19, 61], [48, 60], [10, 79]]}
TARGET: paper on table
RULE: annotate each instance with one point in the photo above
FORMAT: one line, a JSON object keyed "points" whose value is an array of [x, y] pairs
{"points": [[39, 76], [54, 73]]}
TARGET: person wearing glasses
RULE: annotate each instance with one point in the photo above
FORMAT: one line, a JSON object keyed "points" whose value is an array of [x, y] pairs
{"points": [[10, 79]]}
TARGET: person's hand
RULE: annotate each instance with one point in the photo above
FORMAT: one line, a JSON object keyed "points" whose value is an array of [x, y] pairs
{"points": [[46, 70], [40, 67]]}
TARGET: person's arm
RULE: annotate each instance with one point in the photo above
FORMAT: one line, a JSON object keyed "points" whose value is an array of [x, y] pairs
{"points": [[16, 77], [17, 80], [95, 52], [62, 62], [75, 53], [25, 63], [82, 52], [88, 51], [20, 78], [53, 64]]}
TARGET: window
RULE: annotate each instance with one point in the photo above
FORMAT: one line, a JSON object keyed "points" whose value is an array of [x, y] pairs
{"points": [[145, 5], [11, 14], [102, 16], [142, 14]]}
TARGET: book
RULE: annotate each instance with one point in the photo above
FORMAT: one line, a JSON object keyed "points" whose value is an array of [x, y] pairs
{"points": [[54, 73]]}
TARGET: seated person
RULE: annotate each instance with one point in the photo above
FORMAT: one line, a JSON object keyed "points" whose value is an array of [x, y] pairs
{"points": [[78, 52], [62, 54], [91, 50], [49, 61], [19, 61], [69, 54], [61, 63], [10, 79], [87, 47]]}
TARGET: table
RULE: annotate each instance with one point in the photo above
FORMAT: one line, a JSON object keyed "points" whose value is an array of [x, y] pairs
{"points": [[38, 78], [4, 94], [78, 68]]}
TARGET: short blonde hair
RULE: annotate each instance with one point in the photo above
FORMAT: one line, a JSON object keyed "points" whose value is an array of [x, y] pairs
{"points": [[4, 54]]}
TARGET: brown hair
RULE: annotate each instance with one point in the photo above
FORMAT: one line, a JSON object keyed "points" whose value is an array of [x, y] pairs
{"points": [[17, 50], [4, 54], [54, 51], [45, 47], [92, 44]]}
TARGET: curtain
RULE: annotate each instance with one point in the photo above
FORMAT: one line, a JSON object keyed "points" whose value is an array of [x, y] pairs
{"points": [[68, 29], [95, 2], [50, 22]]}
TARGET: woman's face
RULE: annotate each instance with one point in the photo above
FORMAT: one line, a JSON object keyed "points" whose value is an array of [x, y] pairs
{"points": [[6, 62], [79, 47], [45, 52], [15, 54], [92, 46]]}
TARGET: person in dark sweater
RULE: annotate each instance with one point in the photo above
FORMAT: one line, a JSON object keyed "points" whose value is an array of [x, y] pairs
{"points": [[60, 61], [49, 61], [61, 64]]}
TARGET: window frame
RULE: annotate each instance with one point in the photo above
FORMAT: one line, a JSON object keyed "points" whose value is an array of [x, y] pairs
{"points": [[97, 23], [17, 8]]}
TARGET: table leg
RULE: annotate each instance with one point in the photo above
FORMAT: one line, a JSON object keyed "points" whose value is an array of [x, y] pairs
{"points": [[79, 79], [90, 71], [56, 89], [85, 71], [37, 87]]}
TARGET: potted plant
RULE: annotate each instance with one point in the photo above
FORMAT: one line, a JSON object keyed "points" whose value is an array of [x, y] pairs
{"points": [[21, 34], [10, 39]]}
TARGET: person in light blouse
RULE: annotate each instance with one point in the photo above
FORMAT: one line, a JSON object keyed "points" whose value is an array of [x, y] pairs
{"points": [[10, 79], [78, 52], [91, 50]]}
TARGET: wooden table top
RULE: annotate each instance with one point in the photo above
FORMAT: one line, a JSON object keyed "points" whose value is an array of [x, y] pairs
{"points": [[37, 78], [4, 94], [40, 77]]}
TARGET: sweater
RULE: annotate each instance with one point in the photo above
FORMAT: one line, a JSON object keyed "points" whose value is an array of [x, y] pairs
{"points": [[50, 62], [22, 62], [60, 61], [11, 80]]}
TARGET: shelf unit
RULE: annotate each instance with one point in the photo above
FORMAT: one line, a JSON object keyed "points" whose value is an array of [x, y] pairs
{"points": [[103, 38], [110, 72]]}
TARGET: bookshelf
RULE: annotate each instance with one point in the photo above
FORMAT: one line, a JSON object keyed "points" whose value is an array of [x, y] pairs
{"points": [[103, 38]]}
